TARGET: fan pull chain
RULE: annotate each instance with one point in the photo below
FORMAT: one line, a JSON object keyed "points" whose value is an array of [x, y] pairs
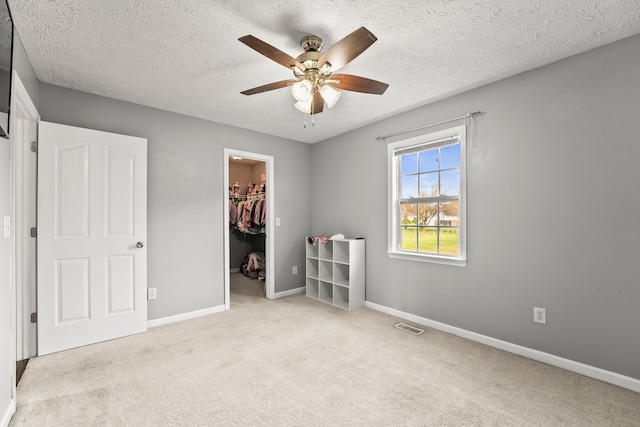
{"points": [[313, 104], [304, 123]]}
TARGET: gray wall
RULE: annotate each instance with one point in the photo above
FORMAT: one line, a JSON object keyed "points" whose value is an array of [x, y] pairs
{"points": [[23, 67], [186, 198], [553, 211]]}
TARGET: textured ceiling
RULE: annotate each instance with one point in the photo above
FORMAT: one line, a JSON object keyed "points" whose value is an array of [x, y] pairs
{"points": [[184, 56], [5, 38]]}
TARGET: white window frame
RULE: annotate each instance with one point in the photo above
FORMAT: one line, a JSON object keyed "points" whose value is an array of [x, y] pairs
{"points": [[394, 225]]}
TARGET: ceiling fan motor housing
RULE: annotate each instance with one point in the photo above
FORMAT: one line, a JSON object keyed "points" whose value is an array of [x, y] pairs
{"points": [[309, 59], [311, 43]]}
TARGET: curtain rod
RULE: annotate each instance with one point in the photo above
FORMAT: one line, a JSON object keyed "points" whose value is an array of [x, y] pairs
{"points": [[474, 114]]}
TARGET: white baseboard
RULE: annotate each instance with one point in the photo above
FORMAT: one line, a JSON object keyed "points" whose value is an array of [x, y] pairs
{"points": [[290, 292], [8, 413], [550, 359], [184, 316]]}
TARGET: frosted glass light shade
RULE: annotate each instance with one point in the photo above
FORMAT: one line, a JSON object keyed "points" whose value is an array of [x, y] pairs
{"points": [[304, 106], [301, 90], [330, 95]]}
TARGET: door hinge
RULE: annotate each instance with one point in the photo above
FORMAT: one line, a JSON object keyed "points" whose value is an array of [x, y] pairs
{"points": [[34, 232], [34, 317], [34, 146]]}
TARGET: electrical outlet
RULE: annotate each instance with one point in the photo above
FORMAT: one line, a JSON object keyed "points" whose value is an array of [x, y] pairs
{"points": [[295, 269], [540, 315], [152, 293]]}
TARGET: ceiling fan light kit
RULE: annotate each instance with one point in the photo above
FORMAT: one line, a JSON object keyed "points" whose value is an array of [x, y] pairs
{"points": [[330, 95], [302, 90], [304, 106], [315, 82]]}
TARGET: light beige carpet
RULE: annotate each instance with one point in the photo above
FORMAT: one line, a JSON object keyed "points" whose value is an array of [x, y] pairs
{"points": [[299, 362]]}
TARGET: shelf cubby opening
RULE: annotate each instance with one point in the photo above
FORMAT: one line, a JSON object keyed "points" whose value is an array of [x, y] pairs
{"points": [[341, 274], [341, 297], [325, 270], [325, 292], [312, 250], [312, 268], [325, 251], [312, 288], [341, 251]]}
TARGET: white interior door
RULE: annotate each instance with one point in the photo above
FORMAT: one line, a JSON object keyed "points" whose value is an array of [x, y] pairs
{"points": [[92, 226]]}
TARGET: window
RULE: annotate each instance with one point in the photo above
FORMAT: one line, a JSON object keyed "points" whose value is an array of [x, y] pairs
{"points": [[427, 197]]}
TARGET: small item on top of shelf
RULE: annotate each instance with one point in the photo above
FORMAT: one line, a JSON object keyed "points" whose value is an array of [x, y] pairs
{"points": [[315, 239]]}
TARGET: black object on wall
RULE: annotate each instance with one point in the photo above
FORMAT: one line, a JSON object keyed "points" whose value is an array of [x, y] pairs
{"points": [[6, 49]]}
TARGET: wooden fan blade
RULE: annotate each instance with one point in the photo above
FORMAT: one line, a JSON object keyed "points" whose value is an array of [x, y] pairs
{"points": [[271, 52], [318, 103], [358, 84], [347, 49], [268, 87]]}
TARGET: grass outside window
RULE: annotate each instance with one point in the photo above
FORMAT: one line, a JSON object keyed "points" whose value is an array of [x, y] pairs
{"points": [[428, 242]]}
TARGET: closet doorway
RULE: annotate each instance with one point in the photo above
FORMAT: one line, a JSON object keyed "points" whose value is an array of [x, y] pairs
{"points": [[249, 170]]}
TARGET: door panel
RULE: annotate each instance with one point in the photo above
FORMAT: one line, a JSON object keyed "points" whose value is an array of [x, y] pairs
{"points": [[71, 203], [72, 290], [120, 284], [91, 213], [120, 187]]}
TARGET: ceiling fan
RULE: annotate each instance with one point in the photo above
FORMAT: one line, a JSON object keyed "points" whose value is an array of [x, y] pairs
{"points": [[314, 82]]}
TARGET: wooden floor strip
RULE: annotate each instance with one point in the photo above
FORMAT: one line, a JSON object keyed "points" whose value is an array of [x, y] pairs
{"points": [[20, 367]]}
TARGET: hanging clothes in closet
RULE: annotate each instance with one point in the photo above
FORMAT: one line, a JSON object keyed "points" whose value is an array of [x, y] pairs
{"points": [[248, 213]]}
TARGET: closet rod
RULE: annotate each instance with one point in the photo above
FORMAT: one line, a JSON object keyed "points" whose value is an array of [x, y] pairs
{"points": [[246, 196], [474, 114]]}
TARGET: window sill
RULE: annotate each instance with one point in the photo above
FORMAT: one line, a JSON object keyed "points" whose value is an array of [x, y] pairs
{"points": [[411, 256]]}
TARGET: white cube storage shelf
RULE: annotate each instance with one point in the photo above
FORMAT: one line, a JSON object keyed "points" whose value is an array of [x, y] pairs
{"points": [[335, 272]]}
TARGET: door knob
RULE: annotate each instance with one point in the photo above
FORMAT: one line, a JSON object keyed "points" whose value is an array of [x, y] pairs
{"points": [[139, 245]]}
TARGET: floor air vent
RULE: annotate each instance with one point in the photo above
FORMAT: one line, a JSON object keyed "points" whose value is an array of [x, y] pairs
{"points": [[408, 328]]}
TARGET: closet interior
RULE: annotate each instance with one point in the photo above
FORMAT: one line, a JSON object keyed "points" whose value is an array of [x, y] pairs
{"points": [[247, 220]]}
